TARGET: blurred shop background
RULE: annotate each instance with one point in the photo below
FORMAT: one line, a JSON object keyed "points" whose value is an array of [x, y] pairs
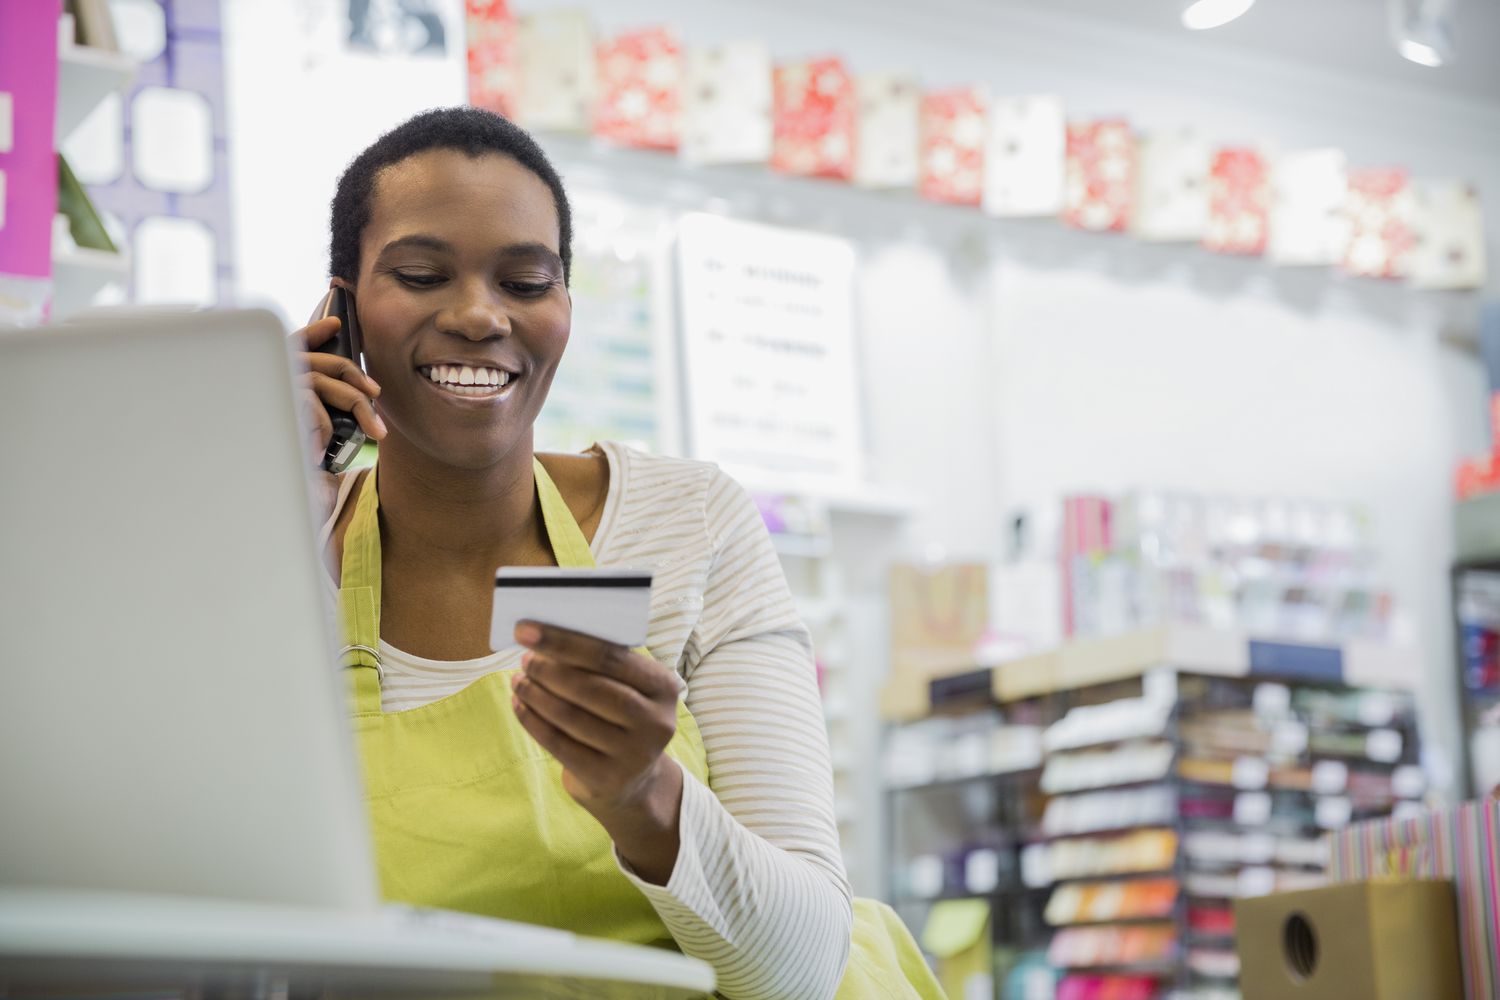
{"points": [[1118, 394]]}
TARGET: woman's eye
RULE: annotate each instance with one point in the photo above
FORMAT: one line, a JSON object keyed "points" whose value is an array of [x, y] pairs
{"points": [[418, 279], [529, 289]]}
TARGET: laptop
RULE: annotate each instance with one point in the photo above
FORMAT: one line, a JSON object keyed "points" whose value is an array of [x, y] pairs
{"points": [[172, 719]]}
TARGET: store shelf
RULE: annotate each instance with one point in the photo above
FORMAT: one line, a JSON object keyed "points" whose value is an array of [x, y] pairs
{"points": [[802, 546], [85, 77], [1195, 650]]}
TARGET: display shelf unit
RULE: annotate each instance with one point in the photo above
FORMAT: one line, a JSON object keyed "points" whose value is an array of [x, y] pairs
{"points": [[1474, 580], [85, 77], [1137, 876]]}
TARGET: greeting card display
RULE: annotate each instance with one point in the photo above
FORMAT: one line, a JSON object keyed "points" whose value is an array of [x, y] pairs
{"points": [[1449, 250], [1381, 209], [1239, 197], [639, 89], [890, 108], [726, 104], [1171, 190], [953, 146], [555, 53], [1309, 217], [1100, 181], [492, 56], [815, 117], [1025, 156]]}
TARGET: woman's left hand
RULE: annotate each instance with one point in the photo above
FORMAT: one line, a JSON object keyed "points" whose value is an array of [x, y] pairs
{"points": [[607, 714]]}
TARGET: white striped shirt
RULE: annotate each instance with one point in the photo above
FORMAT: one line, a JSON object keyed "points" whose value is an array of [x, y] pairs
{"points": [[759, 889]]}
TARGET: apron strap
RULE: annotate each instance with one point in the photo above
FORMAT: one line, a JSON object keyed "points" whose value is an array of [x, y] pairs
{"points": [[359, 598], [569, 547]]}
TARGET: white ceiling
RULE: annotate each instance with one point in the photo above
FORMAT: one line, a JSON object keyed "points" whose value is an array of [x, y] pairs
{"points": [[1344, 36]]}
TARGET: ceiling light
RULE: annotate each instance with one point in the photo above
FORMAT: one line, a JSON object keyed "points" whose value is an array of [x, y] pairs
{"points": [[1202, 14], [1422, 30]]}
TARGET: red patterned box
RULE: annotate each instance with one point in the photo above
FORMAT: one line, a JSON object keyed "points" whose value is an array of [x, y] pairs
{"points": [[1239, 202], [1381, 208], [639, 97], [953, 133], [492, 56], [815, 114], [1101, 167]]}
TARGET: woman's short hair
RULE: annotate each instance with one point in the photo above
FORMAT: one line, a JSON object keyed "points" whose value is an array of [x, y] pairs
{"points": [[472, 131]]}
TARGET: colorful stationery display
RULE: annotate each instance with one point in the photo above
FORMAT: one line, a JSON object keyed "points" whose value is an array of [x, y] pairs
{"points": [[1381, 216], [815, 116], [28, 161], [1239, 194], [953, 146], [1101, 176], [491, 31], [638, 102]]}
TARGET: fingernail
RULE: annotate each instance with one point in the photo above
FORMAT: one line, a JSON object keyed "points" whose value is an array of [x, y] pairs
{"points": [[515, 705], [381, 425], [528, 635]]}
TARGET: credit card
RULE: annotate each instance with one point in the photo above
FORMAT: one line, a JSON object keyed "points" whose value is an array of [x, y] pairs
{"points": [[612, 604]]}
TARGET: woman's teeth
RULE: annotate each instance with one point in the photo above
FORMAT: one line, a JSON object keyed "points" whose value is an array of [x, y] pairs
{"points": [[467, 381]]}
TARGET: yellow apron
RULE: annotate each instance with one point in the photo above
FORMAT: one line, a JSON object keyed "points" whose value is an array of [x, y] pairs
{"points": [[468, 812]]}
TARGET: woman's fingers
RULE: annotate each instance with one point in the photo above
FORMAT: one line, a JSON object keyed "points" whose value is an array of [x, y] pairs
{"points": [[343, 396], [316, 333], [568, 717], [336, 366], [609, 699], [591, 653]]}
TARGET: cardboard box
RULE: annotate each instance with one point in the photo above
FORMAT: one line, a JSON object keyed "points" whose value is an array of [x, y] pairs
{"points": [[1376, 940]]}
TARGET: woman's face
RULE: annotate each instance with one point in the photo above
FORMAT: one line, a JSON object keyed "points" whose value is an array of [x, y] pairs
{"points": [[461, 301]]}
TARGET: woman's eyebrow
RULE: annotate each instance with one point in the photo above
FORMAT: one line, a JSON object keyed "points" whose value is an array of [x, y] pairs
{"points": [[533, 249], [419, 240]]}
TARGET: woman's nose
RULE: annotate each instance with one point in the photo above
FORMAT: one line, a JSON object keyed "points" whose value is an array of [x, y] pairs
{"points": [[477, 313]]}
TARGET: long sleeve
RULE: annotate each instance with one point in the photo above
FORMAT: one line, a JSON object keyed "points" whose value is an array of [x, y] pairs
{"points": [[759, 889]]}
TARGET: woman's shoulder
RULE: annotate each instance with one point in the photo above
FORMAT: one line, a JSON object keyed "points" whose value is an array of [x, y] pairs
{"points": [[653, 488]]}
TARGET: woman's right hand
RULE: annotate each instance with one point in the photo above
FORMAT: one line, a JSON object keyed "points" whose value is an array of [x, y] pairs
{"points": [[329, 380]]}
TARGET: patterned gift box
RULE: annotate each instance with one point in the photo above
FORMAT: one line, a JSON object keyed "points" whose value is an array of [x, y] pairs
{"points": [[638, 100], [726, 104], [1461, 844], [1381, 209], [816, 112], [1239, 196], [555, 56], [492, 55], [1309, 200], [1449, 251], [1100, 178], [1171, 190], [953, 146], [890, 108]]}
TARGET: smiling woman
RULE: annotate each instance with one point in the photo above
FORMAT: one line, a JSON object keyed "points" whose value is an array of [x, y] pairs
{"points": [[706, 823]]}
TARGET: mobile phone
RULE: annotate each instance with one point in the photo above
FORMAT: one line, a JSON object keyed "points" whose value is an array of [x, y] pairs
{"points": [[347, 438]]}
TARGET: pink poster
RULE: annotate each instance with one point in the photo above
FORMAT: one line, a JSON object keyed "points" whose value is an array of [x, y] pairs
{"points": [[28, 114]]}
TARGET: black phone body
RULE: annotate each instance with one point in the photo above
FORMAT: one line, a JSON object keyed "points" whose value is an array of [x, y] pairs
{"points": [[347, 438]]}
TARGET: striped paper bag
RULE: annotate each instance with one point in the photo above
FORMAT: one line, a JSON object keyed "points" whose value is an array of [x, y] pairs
{"points": [[1462, 844]]}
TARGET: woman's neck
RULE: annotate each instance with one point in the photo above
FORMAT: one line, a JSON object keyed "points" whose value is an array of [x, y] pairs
{"points": [[438, 513]]}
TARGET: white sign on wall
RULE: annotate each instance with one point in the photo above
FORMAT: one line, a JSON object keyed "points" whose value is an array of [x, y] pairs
{"points": [[768, 345]]}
